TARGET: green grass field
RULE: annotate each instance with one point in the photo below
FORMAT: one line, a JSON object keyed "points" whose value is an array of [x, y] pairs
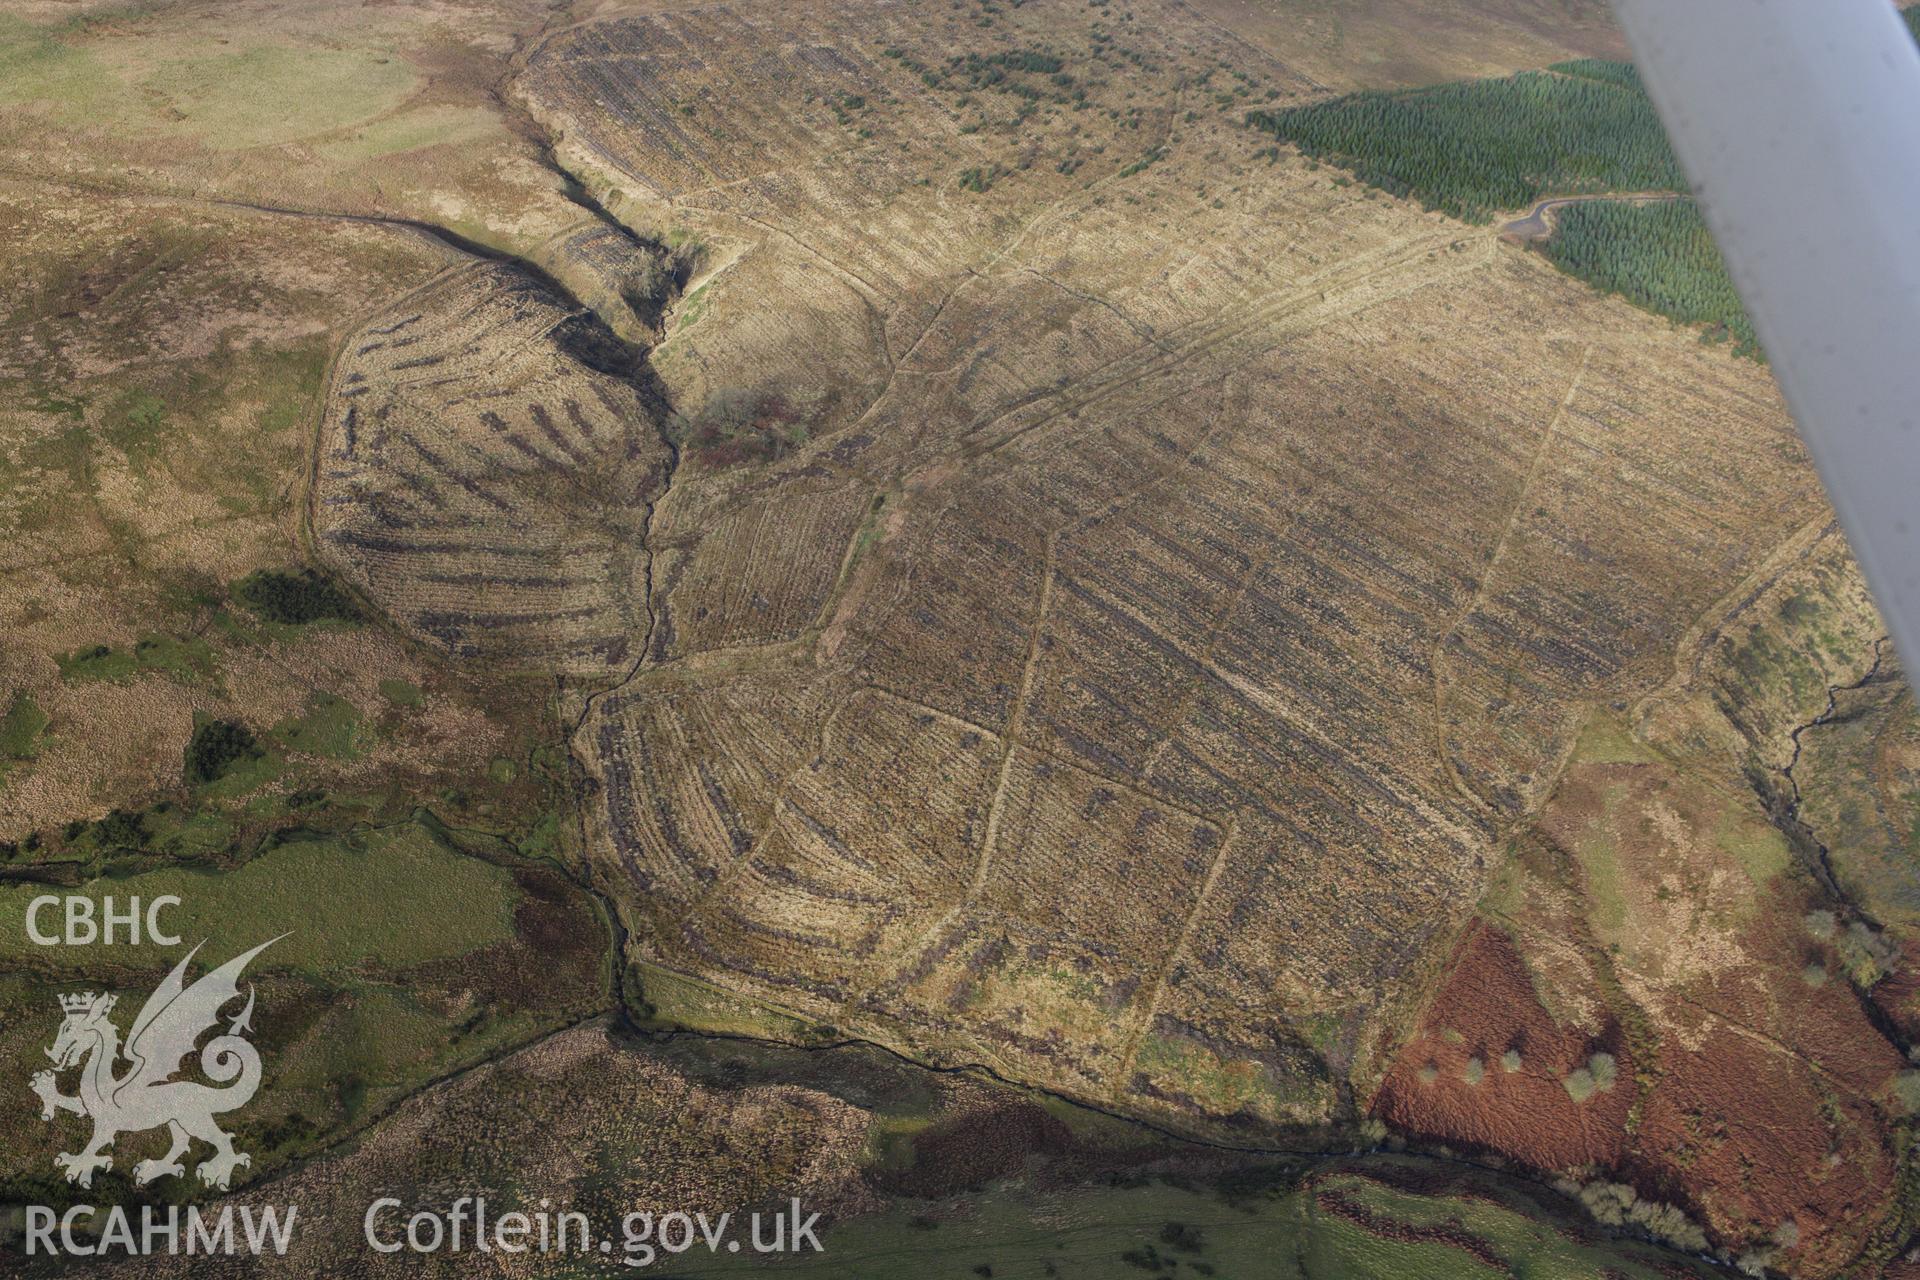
{"points": [[390, 899], [403, 958], [228, 97], [1286, 1231]]}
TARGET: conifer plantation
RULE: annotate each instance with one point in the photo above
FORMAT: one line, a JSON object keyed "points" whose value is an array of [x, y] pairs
{"points": [[1480, 147], [1657, 256]]}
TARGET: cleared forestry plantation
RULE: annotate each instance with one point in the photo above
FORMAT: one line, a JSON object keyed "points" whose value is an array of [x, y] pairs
{"points": [[1127, 601], [1016, 618]]}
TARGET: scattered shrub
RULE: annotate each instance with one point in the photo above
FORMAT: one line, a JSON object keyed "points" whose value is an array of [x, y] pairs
{"points": [[1906, 1091], [1867, 954], [650, 287], [740, 425], [980, 179], [21, 728], [1027, 60], [1179, 1235], [1597, 1076], [120, 830]]}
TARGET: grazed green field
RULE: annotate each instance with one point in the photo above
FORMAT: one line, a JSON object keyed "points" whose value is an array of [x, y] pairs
{"points": [[391, 899], [1337, 1225]]}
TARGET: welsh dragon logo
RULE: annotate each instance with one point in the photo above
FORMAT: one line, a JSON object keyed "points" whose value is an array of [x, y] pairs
{"points": [[145, 1095]]}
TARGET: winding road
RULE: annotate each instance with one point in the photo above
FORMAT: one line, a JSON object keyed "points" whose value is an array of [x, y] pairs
{"points": [[1537, 226]]}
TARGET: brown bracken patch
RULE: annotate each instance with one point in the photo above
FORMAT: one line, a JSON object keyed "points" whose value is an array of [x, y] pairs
{"points": [[1486, 1008]]}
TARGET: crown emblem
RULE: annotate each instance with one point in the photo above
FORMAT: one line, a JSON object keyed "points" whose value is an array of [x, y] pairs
{"points": [[84, 1001]]}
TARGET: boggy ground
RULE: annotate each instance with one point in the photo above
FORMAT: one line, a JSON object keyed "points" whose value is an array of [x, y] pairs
{"points": [[1117, 597]]}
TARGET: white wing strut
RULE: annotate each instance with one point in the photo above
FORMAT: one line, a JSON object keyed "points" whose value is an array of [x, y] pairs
{"points": [[1798, 123]]}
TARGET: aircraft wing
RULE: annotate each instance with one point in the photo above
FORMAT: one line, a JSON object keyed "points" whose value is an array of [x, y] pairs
{"points": [[1798, 124]]}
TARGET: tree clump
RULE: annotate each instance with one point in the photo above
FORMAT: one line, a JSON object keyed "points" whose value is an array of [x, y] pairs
{"points": [[1595, 1077], [661, 278], [1615, 1204], [216, 746], [295, 598], [120, 829]]}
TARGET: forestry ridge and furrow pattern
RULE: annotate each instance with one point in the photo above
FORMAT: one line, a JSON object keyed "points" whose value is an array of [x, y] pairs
{"points": [[1158, 582], [765, 574], [630, 70], [484, 484]]}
